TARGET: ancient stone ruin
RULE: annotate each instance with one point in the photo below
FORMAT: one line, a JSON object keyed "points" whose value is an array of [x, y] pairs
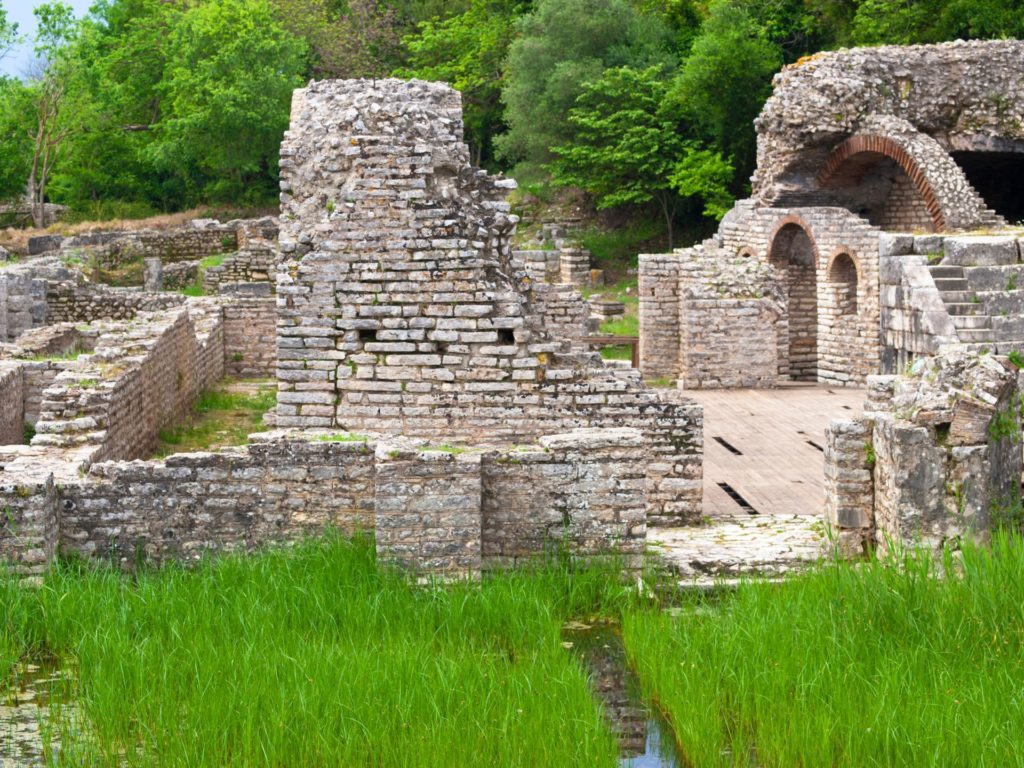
{"points": [[421, 391], [875, 242], [439, 388]]}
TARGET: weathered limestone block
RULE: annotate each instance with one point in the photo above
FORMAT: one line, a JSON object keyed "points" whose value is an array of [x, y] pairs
{"points": [[980, 251], [152, 274], [29, 526], [12, 403], [910, 481]]}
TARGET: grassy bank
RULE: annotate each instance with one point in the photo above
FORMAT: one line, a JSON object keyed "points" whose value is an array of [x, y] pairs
{"points": [[220, 417], [315, 656], [847, 666]]}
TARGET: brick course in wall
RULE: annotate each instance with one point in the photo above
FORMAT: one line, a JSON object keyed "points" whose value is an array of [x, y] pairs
{"points": [[12, 404]]}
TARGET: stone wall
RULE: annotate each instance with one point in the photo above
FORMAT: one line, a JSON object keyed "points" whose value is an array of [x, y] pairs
{"points": [[272, 490], [139, 378], [943, 446], [451, 510], [401, 309], [250, 335], [22, 302], [255, 264], [828, 326], [12, 404], [583, 491]]}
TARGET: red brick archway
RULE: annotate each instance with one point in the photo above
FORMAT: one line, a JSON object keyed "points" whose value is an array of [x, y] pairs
{"points": [[870, 144], [793, 251]]}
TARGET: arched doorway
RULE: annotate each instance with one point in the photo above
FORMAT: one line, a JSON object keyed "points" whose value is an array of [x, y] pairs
{"points": [[793, 254]]}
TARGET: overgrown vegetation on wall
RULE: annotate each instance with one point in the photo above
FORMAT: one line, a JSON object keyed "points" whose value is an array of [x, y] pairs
{"points": [[161, 105]]}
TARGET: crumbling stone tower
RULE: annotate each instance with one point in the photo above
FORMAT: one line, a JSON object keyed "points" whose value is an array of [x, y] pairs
{"points": [[403, 312]]}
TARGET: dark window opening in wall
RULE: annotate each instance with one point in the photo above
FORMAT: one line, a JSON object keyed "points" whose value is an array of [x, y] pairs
{"points": [[506, 336], [842, 278], [999, 178], [367, 334]]}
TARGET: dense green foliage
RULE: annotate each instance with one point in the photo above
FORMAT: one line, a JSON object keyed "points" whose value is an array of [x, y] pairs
{"points": [[880, 663], [170, 104], [314, 656]]}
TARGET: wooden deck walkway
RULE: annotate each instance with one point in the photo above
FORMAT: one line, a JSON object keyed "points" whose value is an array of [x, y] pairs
{"points": [[766, 445]]}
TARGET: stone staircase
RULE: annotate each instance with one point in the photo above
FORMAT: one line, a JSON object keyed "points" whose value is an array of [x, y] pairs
{"points": [[973, 326]]}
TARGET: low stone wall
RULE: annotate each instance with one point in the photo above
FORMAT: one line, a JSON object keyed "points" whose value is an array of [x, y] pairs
{"points": [[73, 302], [583, 491], [273, 490], [449, 510], [565, 314], [140, 378], [255, 264], [12, 404]]}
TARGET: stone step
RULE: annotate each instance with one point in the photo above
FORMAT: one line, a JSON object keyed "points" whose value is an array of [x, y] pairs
{"points": [[975, 335], [957, 297], [951, 284], [966, 308], [979, 347], [972, 322], [940, 272]]}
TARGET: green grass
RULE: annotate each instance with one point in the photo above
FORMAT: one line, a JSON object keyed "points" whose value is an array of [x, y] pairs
{"points": [[220, 418], [617, 249], [211, 261], [851, 665], [315, 656]]}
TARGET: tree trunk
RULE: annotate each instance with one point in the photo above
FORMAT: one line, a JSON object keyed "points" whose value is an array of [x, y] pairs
{"points": [[668, 212]]}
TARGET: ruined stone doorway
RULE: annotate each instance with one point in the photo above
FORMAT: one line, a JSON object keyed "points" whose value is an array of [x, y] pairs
{"points": [[793, 253]]}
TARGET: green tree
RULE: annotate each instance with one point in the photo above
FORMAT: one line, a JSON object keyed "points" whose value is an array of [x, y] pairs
{"points": [[16, 133], [468, 52], [627, 149], [53, 123], [563, 44], [723, 84], [8, 33], [225, 97]]}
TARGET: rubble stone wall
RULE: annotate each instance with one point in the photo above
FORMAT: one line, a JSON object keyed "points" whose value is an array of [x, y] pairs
{"points": [[943, 446], [22, 302], [29, 528], [12, 404], [962, 96]]}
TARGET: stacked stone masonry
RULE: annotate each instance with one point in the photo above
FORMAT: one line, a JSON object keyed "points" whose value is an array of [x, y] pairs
{"points": [[402, 310]]}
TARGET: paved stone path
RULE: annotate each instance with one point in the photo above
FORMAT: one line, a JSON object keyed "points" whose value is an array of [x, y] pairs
{"points": [[742, 545], [768, 454], [779, 435]]}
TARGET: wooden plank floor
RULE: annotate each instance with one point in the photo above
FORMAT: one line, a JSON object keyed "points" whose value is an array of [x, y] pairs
{"points": [[779, 434]]}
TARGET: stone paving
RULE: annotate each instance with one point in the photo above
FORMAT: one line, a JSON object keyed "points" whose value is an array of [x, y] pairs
{"points": [[741, 545]]}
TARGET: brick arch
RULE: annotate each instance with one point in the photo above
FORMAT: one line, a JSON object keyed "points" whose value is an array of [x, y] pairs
{"points": [[885, 146], [843, 276], [786, 221], [798, 348]]}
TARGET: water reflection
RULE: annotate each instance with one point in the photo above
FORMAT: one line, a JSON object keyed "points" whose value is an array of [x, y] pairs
{"points": [[28, 705], [645, 739]]}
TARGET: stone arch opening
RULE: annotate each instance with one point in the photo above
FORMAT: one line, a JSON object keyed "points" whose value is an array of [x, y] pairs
{"points": [[793, 253], [876, 178], [843, 282]]}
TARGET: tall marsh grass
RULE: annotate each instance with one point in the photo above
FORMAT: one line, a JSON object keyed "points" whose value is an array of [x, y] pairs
{"points": [[850, 665], [315, 656]]}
